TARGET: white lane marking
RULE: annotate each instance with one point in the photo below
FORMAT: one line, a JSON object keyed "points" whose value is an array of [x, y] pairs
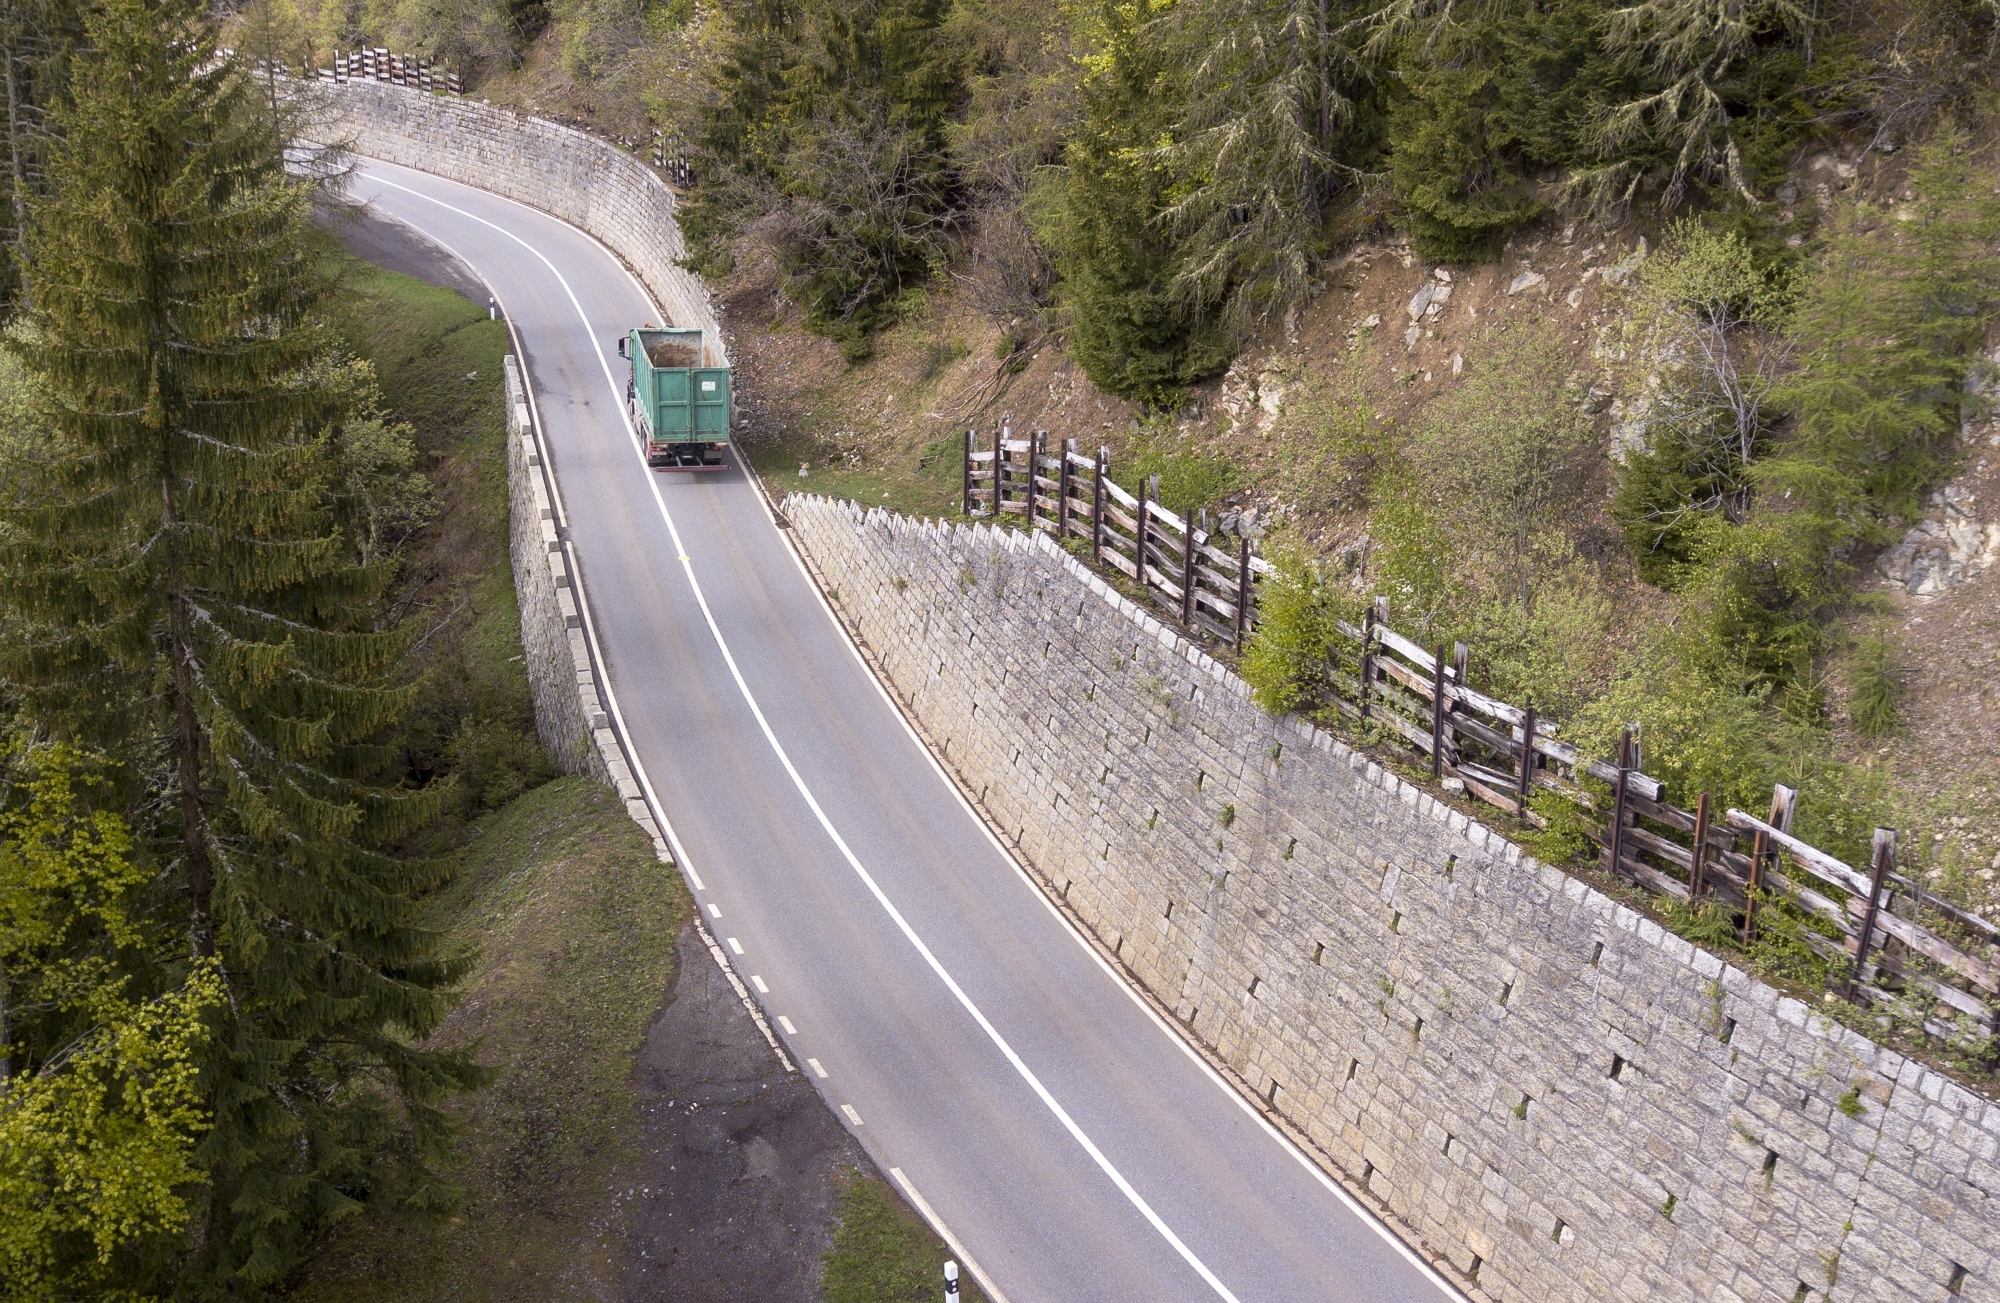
{"points": [[758, 982], [1020, 1066], [786, 1023], [735, 945], [681, 858], [714, 910], [1354, 1206], [814, 1064], [852, 1116], [944, 1233]]}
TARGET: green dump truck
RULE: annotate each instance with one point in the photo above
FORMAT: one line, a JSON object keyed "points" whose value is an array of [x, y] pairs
{"points": [[679, 397]]}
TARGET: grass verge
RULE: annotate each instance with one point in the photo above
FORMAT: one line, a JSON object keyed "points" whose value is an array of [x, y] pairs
{"points": [[883, 1252], [573, 920], [438, 360]]}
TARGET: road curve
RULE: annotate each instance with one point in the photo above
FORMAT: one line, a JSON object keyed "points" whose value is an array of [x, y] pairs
{"points": [[1074, 1147]]}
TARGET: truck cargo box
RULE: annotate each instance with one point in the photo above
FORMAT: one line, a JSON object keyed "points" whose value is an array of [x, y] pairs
{"points": [[679, 397]]}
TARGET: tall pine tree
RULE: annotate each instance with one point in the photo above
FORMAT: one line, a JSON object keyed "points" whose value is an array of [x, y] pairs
{"points": [[1129, 330], [36, 39], [179, 586]]}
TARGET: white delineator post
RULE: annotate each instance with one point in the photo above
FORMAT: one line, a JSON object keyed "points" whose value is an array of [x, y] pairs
{"points": [[950, 1282]]}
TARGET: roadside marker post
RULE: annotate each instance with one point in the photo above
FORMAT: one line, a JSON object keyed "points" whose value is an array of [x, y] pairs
{"points": [[950, 1282]]}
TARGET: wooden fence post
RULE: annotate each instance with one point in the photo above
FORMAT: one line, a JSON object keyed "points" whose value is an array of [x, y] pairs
{"points": [[1242, 590], [1618, 806], [1880, 867], [1527, 762], [1437, 713], [1187, 573], [970, 436], [1067, 451], [1698, 871], [1028, 507], [1367, 653], [999, 466], [1145, 502], [1784, 803], [1097, 505], [1753, 886]]}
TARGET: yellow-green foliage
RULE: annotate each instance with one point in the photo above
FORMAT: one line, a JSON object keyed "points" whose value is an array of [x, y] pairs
{"points": [[101, 1106], [1288, 660]]}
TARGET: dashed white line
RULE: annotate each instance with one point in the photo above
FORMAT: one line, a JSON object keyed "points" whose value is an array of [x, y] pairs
{"points": [[1007, 1051], [758, 982], [852, 1116], [714, 911], [786, 1023], [814, 1064]]}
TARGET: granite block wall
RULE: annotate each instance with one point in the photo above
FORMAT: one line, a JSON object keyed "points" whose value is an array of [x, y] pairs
{"points": [[1551, 1091], [583, 180]]}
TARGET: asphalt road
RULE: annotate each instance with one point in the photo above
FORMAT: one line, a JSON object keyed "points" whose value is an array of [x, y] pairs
{"points": [[1075, 1148]]}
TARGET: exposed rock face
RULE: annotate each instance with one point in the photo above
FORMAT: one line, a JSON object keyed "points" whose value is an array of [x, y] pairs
{"points": [[1949, 547], [1952, 544]]}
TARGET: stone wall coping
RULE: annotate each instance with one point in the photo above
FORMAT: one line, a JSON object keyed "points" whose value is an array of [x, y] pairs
{"points": [[1885, 1062]]}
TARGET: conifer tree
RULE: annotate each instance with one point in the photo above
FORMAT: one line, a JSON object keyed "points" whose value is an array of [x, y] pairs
{"points": [[1131, 333], [1266, 136], [36, 38], [179, 587]]}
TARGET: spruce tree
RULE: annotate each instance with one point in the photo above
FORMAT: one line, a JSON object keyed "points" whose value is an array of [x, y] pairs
{"points": [[1130, 332], [36, 39], [179, 586]]}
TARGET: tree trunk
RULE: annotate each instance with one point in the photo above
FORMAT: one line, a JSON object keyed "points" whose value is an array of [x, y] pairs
{"points": [[187, 738]]}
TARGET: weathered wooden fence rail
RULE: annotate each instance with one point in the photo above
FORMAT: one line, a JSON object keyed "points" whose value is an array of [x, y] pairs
{"points": [[1900, 947], [1207, 579], [374, 64]]}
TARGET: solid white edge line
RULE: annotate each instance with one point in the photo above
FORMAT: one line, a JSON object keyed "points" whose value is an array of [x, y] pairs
{"points": [[1166, 1028], [1366, 1214], [675, 849], [923, 1206], [1000, 1042]]}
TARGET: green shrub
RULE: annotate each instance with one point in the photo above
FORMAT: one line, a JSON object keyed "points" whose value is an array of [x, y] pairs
{"points": [[1288, 660], [1872, 688]]}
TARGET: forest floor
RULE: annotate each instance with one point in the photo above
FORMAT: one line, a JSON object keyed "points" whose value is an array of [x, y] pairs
{"points": [[640, 1141]]}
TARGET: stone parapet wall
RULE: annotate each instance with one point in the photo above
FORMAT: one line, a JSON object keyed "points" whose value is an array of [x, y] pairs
{"points": [[565, 173], [570, 714], [1553, 1092]]}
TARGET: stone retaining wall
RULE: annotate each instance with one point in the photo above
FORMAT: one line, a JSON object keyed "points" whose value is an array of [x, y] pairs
{"points": [[569, 714], [1562, 1098], [583, 180]]}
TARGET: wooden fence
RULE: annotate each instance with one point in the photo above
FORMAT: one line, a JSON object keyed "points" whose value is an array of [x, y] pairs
{"points": [[1898, 945], [1208, 580], [400, 69]]}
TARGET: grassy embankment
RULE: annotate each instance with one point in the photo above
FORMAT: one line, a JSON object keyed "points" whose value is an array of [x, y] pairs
{"points": [[558, 893]]}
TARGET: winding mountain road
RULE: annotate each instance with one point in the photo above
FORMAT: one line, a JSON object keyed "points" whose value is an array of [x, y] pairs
{"points": [[1071, 1143]]}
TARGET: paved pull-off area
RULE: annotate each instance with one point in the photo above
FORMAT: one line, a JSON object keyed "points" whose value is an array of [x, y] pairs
{"points": [[1068, 1140]]}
